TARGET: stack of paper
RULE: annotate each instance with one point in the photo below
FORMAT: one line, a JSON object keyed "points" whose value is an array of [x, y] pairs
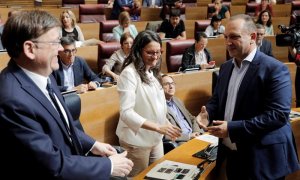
{"points": [[173, 170]]}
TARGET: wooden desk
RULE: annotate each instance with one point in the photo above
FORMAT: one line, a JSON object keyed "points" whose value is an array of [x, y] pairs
{"points": [[4, 59], [183, 154]]}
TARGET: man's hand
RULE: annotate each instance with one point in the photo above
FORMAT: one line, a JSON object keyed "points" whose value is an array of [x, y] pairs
{"points": [[82, 88], [92, 85], [121, 165], [103, 149], [202, 118], [218, 129], [194, 134]]}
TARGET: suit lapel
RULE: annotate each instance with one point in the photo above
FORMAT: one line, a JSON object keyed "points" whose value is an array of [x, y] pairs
{"points": [[29, 86], [247, 79], [181, 109], [75, 71]]}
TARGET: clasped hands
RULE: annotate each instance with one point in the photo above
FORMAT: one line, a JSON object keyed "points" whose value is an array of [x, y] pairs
{"points": [[218, 127]]}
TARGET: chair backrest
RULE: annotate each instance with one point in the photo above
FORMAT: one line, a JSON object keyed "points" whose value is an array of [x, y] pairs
{"points": [[295, 5], [251, 8], [102, 1], [105, 50], [91, 13], [175, 50], [153, 25], [73, 103], [201, 25], [106, 27], [72, 3], [190, 3]]}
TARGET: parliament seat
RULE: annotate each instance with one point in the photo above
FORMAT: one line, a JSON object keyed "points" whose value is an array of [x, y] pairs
{"points": [[73, 103], [175, 50], [295, 5], [72, 3], [251, 8], [201, 25], [105, 50], [91, 13], [106, 28]]}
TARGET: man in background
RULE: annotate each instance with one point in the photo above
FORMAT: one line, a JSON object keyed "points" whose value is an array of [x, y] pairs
{"points": [[73, 71], [178, 115], [263, 45]]}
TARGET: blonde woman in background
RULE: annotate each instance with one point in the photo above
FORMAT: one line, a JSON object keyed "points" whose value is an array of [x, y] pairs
{"points": [[70, 28], [124, 26]]}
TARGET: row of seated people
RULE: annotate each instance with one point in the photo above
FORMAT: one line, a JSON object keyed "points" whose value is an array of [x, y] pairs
{"points": [[88, 13], [191, 55]]}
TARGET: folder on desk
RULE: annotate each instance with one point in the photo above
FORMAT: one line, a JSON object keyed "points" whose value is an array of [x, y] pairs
{"points": [[173, 170]]}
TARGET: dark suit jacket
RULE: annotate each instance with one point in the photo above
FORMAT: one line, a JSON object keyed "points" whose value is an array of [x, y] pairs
{"points": [[260, 125], [117, 8], [81, 71], [266, 47], [37, 145], [188, 116], [188, 58]]}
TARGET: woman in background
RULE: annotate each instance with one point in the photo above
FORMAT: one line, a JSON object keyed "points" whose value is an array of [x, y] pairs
{"points": [[265, 19], [215, 28], [124, 26], [143, 110], [114, 64], [220, 10], [70, 28]]}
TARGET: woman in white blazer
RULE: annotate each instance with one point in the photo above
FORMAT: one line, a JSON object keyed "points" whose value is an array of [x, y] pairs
{"points": [[143, 110]]}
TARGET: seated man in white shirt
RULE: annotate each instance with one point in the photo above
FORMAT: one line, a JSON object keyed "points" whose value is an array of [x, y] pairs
{"points": [[178, 114]]}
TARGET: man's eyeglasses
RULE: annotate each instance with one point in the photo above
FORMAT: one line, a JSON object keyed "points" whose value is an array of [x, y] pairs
{"points": [[53, 43], [69, 51], [152, 54], [169, 84]]}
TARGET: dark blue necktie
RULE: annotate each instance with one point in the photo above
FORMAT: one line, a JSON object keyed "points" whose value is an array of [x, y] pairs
{"points": [[73, 140]]}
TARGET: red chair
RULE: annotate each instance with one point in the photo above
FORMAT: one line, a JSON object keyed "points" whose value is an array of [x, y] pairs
{"points": [[175, 50], [72, 3], [295, 5], [251, 9], [105, 50], [201, 25], [106, 28], [90, 13]]}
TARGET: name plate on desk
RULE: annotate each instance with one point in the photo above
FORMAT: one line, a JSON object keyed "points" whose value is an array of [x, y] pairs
{"points": [[173, 170]]}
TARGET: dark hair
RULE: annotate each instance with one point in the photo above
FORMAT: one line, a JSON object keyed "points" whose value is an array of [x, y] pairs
{"points": [[269, 22], [124, 37], [67, 40], [199, 36], [24, 26], [175, 12], [215, 18], [143, 39]]}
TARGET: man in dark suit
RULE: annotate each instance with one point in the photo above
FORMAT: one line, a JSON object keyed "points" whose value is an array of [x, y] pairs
{"points": [[249, 109], [262, 44], [73, 70], [41, 141], [178, 115]]}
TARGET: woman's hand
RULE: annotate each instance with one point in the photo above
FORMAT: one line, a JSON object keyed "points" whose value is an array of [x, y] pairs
{"points": [[169, 130]]}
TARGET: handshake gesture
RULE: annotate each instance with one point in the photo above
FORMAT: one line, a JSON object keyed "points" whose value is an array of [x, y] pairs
{"points": [[219, 127]]}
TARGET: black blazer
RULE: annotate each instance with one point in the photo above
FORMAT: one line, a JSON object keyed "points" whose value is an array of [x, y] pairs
{"points": [[81, 71], [188, 58]]}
